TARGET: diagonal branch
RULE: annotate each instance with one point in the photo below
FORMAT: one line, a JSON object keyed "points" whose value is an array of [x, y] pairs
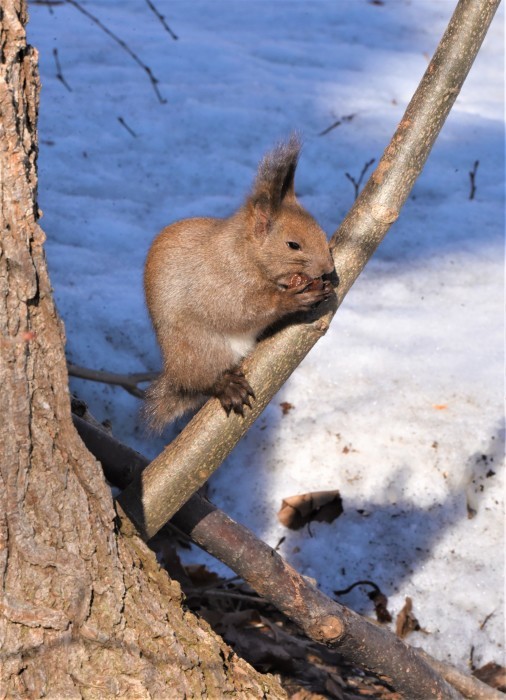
{"points": [[162, 19], [199, 449]]}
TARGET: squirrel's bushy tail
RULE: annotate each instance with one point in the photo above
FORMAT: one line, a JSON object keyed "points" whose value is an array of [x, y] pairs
{"points": [[163, 404]]}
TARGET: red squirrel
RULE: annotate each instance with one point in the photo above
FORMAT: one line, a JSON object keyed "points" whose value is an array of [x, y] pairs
{"points": [[213, 285]]}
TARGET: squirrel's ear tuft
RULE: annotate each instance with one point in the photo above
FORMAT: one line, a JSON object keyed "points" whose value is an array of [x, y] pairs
{"points": [[274, 181]]}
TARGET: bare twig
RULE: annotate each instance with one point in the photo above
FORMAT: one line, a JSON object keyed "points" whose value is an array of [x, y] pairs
{"points": [[337, 123], [344, 591], [129, 382], [356, 183], [472, 178], [490, 615], [162, 19], [125, 126], [199, 449], [154, 81], [59, 73], [329, 128]]}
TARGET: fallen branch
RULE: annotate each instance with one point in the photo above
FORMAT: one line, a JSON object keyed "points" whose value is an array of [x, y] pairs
{"points": [[201, 447], [468, 686], [129, 382], [322, 619], [359, 641]]}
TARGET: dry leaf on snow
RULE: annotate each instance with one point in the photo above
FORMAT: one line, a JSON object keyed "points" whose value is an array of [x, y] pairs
{"points": [[406, 621], [319, 506], [492, 674]]}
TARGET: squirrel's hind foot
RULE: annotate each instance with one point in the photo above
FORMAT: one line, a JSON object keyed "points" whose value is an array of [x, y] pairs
{"points": [[233, 391]]}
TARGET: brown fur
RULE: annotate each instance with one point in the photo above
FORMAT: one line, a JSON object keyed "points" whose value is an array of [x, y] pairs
{"points": [[209, 279]]}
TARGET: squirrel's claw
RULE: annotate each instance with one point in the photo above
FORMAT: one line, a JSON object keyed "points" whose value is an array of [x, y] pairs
{"points": [[233, 391]]}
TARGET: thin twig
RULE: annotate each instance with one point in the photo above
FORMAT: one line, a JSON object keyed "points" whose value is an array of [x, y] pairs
{"points": [[344, 591], [280, 542], [162, 19], [337, 123], [329, 128], [482, 626], [356, 183], [129, 382], [154, 81], [472, 178], [59, 73], [125, 125]]}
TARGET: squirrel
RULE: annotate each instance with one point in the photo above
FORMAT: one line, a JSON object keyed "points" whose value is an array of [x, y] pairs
{"points": [[214, 285]]}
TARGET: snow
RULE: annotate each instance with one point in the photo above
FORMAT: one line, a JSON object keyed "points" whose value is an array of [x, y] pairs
{"points": [[400, 405]]}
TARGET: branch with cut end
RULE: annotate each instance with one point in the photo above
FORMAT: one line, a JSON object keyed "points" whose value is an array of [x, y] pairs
{"points": [[361, 642], [198, 450], [129, 382]]}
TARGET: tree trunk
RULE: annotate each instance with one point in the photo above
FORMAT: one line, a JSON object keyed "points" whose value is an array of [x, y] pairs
{"points": [[85, 611]]}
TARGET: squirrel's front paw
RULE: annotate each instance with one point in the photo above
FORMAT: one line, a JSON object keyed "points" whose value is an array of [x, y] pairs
{"points": [[233, 391], [305, 293]]}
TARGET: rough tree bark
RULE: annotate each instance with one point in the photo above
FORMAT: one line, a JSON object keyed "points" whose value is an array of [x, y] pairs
{"points": [[84, 611]]}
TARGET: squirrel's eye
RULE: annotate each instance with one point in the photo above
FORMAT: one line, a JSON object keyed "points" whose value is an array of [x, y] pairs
{"points": [[293, 245]]}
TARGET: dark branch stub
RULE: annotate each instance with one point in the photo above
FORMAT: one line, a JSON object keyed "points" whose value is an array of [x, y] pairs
{"points": [[59, 73], [126, 127], [472, 179]]}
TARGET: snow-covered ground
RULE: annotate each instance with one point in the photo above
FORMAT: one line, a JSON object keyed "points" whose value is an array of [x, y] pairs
{"points": [[400, 405]]}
